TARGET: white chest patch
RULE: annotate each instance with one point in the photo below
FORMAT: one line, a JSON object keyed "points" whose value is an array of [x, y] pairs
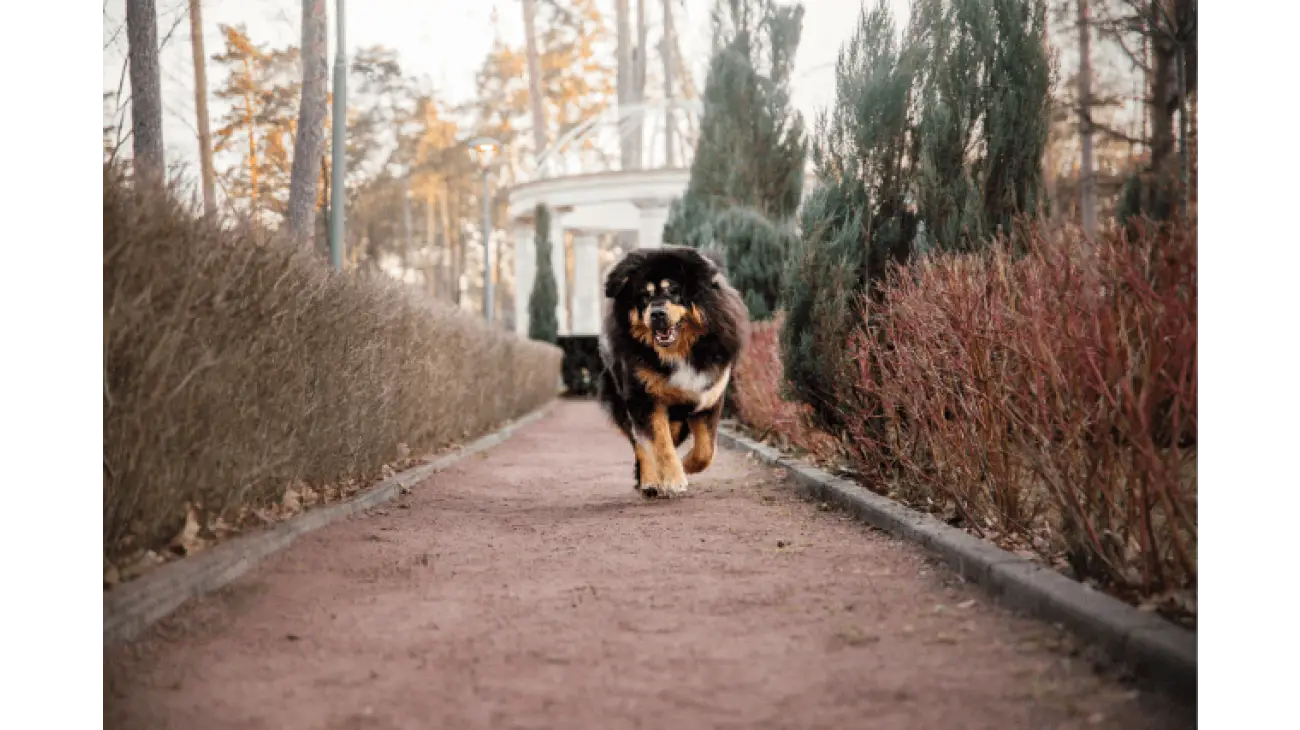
{"points": [[706, 387]]}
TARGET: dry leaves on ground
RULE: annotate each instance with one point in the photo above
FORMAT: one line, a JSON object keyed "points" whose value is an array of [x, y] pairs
{"points": [[201, 530]]}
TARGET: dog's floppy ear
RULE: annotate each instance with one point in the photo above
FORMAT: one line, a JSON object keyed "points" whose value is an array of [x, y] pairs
{"points": [[618, 276]]}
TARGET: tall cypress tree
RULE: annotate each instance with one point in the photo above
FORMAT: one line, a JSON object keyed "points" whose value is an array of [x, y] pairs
{"points": [[542, 323], [951, 120], [984, 82], [747, 175]]}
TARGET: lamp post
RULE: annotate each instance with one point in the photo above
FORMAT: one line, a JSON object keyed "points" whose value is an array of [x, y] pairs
{"points": [[338, 196], [483, 149]]}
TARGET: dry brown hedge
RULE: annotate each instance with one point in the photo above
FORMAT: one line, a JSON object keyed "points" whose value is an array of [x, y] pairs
{"points": [[234, 369]]}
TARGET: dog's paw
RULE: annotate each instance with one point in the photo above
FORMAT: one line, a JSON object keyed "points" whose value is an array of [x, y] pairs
{"points": [[664, 490], [693, 464], [675, 487]]}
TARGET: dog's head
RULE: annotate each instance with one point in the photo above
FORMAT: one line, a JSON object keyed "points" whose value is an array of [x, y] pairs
{"points": [[664, 295]]}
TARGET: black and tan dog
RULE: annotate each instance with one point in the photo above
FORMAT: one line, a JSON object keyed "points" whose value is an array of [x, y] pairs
{"points": [[674, 331]]}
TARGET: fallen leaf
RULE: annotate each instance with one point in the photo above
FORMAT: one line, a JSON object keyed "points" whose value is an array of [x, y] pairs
{"points": [[141, 565], [187, 540], [966, 604], [292, 498]]}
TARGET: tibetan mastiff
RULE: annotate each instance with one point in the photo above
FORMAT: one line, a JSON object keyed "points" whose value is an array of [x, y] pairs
{"points": [[674, 331]]}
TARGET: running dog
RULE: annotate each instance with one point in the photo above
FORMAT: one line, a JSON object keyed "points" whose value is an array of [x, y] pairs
{"points": [[673, 334]]}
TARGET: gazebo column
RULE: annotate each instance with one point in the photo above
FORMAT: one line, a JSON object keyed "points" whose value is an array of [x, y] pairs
{"points": [[525, 272], [587, 290], [650, 229]]}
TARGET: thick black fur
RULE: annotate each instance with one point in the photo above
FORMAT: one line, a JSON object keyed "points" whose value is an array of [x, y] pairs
{"points": [[621, 392]]}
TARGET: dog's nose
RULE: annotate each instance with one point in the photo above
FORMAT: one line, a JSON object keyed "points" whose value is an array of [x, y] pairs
{"points": [[658, 317]]}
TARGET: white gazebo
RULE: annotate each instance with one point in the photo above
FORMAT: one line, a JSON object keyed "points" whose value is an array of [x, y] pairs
{"points": [[590, 192]]}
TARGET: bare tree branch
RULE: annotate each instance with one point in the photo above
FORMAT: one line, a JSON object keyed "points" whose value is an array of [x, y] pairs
{"points": [[1117, 34]]}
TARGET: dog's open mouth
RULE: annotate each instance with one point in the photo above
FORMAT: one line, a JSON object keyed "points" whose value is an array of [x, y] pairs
{"points": [[666, 337]]}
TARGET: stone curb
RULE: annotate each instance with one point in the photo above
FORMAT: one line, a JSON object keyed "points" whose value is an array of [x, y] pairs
{"points": [[131, 608], [1160, 652]]}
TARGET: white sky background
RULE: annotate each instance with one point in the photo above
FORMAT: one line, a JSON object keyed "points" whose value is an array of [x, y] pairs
{"points": [[443, 41]]}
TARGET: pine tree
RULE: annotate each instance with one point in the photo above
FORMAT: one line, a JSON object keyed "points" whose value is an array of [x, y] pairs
{"points": [[577, 81], [857, 219], [264, 87], [542, 323], [751, 150], [983, 81], [953, 119], [755, 250]]}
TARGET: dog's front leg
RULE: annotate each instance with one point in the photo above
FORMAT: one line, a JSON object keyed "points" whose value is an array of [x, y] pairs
{"points": [[672, 477], [704, 439], [647, 469]]}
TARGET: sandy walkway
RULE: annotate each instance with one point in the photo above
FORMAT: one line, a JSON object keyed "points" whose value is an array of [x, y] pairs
{"points": [[530, 587]]}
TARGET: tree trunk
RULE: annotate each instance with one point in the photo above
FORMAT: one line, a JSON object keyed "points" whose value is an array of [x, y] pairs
{"points": [[146, 92], [626, 96], [433, 261], [666, 51], [534, 78], [201, 109], [450, 244], [1087, 179], [252, 142], [1164, 102], [324, 197], [639, 61], [310, 140], [1184, 162]]}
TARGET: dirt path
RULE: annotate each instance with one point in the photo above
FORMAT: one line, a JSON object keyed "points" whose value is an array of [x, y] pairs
{"points": [[530, 587]]}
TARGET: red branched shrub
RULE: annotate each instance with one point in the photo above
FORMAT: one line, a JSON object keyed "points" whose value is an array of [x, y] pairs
{"points": [[756, 393], [1042, 397], [1045, 398]]}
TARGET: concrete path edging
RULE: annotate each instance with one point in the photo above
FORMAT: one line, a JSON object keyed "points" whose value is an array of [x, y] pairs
{"points": [[1160, 652], [131, 608]]}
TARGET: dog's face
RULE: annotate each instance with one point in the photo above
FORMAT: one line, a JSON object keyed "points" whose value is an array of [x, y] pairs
{"points": [[662, 307], [663, 295]]}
